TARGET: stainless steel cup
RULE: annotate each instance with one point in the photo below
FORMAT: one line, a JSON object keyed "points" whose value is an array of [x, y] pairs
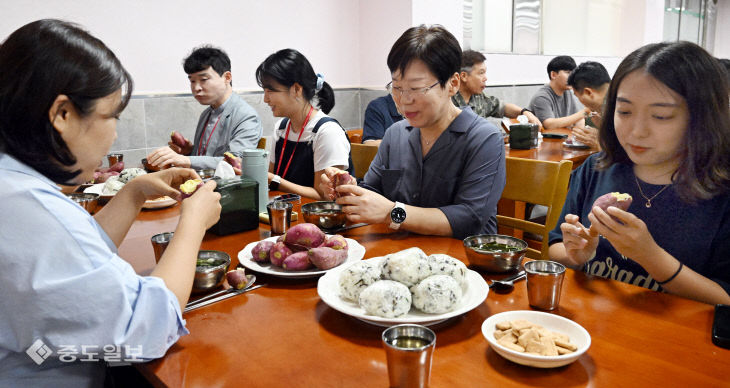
{"points": [[279, 216], [409, 350], [114, 158], [159, 243], [544, 282]]}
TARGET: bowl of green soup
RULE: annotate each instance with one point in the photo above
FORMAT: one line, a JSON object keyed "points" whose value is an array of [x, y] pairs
{"points": [[210, 269], [495, 252]]}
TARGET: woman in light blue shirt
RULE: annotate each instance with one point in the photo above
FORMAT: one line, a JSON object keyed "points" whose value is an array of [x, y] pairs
{"points": [[67, 300]]}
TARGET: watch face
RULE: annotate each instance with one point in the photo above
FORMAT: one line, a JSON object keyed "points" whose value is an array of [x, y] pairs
{"points": [[398, 215]]}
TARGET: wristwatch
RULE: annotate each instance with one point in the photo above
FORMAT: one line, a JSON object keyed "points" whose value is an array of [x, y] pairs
{"points": [[525, 110], [274, 184], [397, 216]]}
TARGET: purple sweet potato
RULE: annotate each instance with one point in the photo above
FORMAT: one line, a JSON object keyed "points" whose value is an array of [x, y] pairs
{"points": [[237, 278], [279, 252], [101, 177], [342, 178], [232, 160], [336, 242], [178, 139], [306, 235], [297, 261], [620, 200], [326, 257], [189, 187], [118, 166], [261, 251]]}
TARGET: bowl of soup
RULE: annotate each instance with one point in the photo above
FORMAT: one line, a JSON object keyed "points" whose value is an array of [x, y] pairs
{"points": [[495, 252], [210, 270], [325, 214]]}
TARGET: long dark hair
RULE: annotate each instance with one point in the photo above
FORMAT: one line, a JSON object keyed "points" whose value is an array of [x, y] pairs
{"points": [[39, 62], [691, 72], [289, 66]]}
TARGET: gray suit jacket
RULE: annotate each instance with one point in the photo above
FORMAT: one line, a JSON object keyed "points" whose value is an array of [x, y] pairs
{"points": [[239, 129]]}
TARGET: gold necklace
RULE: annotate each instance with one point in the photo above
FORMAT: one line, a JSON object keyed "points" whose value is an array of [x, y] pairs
{"points": [[648, 200]]}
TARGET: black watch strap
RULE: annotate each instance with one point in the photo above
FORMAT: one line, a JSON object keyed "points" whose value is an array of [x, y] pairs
{"points": [[526, 110]]}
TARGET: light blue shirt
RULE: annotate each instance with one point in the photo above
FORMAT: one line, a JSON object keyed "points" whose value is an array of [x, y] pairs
{"points": [[61, 281]]}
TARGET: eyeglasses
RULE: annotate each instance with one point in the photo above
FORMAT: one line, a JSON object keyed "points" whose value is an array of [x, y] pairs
{"points": [[400, 92]]}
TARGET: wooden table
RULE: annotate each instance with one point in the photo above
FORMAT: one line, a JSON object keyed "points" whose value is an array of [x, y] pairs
{"points": [[283, 335], [553, 150]]}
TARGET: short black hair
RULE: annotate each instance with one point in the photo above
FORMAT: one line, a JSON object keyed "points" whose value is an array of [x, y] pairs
{"points": [[694, 74], [469, 58], [562, 62], [588, 74], [289, 66], [726, 64], [207, 56], [40, 61], [433, 45]]}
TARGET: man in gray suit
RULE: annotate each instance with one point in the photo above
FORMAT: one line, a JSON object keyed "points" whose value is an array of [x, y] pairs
{"points": [[229, 124]]}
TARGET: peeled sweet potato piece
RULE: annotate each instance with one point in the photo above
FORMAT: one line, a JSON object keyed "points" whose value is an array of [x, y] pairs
{"points": [[233, 160], [237, 278], [306, 235], [189, 187], [326, 257], [619, 200], [297, 261]]}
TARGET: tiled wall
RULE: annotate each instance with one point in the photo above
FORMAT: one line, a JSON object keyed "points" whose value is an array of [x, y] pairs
{"points": [[148, 120]]}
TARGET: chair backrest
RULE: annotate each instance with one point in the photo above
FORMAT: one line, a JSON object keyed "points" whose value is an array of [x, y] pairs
{"points": [[262, 143], [355, 135], [362, 156], [539, 182]]}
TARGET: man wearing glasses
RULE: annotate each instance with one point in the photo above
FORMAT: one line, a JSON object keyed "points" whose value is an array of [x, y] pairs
{"points": [[440, 171]]}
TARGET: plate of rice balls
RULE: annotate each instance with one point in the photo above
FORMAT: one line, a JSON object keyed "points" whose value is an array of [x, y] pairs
{"points": [[403, 287]]}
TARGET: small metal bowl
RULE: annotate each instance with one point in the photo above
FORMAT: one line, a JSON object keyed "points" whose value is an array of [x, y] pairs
{"points": [[88, 201], [325, 214], [210, 277], [494, 261], [206, 173]]}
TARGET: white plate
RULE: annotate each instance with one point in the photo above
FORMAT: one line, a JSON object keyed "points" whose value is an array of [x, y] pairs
{"points": [[328, 289], [97, 188], [355, 252], [159, 203], [576, 144], [578, 336]]}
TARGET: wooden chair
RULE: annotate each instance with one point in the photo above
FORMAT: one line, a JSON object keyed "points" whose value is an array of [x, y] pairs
{"points": [[262, 143], [539, 182], [362, 156], [355, 135]]}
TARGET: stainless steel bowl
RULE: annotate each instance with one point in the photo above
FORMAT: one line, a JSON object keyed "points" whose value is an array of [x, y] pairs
{"points": [[88, 201], [494, 261], [206, 173], [325, 214], [210, 277]]}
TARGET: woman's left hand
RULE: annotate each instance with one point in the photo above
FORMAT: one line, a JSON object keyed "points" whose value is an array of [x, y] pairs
{"points": [[161, 183], [627, 233], [363, 205]]}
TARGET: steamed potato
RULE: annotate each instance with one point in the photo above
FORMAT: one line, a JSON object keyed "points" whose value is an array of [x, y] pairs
{"points": [[189, 187], [335, 242], [279, 252], [237, 278], [261, 251]]}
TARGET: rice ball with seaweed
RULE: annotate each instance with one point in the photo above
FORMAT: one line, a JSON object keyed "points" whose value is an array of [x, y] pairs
{"points": [[437, 294], [130, 173], [386, 298], [441, 264], [408, 266], [355, 278]]}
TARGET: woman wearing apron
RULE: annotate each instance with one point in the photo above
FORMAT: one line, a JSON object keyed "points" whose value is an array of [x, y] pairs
{"points": [[307, 140]]}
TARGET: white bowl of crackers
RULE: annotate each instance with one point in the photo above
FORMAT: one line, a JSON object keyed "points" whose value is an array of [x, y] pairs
{"points": [[534, 338]]}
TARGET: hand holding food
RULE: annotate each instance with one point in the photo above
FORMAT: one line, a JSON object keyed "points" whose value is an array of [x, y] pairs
{"points": [[342, 178], [234, 161], [619, 200], [189, 187], [184, 145]]}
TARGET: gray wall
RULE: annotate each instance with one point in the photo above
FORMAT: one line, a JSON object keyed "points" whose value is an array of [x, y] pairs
{"points": [[148, 120]]}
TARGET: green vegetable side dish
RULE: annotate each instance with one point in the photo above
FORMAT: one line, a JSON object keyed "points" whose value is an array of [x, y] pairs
{"points": [[209, 262], [496, 247]]}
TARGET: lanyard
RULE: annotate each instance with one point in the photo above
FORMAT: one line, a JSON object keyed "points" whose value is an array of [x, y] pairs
{"points": [[201, 150], [286, 138]]}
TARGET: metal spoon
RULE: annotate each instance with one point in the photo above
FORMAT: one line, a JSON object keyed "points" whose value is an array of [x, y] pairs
{"points": [[507, 284]]}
